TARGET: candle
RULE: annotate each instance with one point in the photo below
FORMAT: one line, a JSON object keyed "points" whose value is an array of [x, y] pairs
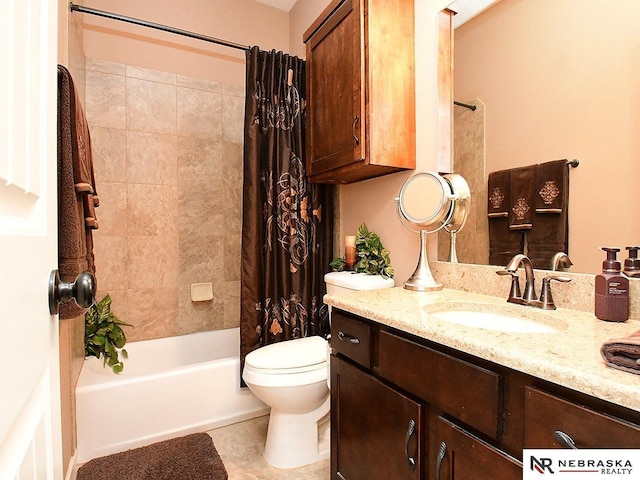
{"points": [[350, 252]]}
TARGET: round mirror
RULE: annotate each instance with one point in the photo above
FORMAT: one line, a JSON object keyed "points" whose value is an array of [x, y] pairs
{"points": [[425, 200]]}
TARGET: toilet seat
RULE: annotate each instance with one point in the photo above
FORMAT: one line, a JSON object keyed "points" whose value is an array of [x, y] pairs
{"points": [[293, 362], [292, 356]]}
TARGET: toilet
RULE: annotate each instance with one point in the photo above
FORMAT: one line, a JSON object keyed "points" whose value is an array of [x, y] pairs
{"points": [[292, 378]]}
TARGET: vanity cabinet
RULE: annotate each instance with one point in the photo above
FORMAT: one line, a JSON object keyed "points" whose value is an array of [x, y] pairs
{"points": [[399, 400], [360, 90]]}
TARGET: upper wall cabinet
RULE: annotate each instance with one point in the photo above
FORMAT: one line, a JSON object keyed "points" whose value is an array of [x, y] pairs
{"points": [[360, 90]]}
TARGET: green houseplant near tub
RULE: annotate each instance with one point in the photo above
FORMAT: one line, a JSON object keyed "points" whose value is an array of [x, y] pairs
{"points": [[103, 335], [372, 257]]}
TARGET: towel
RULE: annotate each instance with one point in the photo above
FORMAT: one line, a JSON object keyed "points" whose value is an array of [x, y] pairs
{"points": [[623, 353], [503, 243], [521, 197], [550, 233], [77, 197]]}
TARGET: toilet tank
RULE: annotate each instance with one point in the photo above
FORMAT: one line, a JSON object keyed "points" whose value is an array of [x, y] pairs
{"points": [[341, 282]]}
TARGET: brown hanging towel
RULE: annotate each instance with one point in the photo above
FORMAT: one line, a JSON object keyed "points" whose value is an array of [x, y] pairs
{"points": [[521, 198], [503, 243], [77, 196], [550, 233]]}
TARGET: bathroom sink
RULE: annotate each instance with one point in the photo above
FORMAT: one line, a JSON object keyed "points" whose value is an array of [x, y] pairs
{"points": [[495, 317]]}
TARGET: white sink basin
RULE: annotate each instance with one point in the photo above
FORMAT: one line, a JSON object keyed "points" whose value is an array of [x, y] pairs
{"points": [[492, 321]]}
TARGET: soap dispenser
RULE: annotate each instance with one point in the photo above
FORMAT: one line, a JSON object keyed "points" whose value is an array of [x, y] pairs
{"points": [[632, 264], [612, 290]]}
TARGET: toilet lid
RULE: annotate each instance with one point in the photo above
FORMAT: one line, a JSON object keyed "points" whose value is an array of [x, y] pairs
{"points": [[291, 354]]}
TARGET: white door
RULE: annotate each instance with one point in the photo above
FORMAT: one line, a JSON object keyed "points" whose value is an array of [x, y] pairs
{"points": [[30, 438]]}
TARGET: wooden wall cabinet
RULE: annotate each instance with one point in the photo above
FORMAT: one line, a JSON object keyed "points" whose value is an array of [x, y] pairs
{"points": [[360, 90], [405, 408]]}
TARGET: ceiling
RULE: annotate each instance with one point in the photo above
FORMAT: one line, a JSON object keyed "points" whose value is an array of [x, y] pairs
{"points": [[280, 4]]}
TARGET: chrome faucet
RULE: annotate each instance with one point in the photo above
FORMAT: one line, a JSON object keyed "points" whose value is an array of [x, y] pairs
{"points": [[560, 261], [529, 296]]}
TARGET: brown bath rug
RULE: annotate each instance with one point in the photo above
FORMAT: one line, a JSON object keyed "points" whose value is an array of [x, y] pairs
{"points": [[192, 457]]}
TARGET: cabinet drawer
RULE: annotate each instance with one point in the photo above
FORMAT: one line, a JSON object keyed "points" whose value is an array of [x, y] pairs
{"points": [[351, 338], [456, 454], [468, 392], [545, 414]]}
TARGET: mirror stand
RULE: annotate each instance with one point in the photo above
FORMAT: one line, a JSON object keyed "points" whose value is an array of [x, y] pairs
{"points": [[422, 280]]}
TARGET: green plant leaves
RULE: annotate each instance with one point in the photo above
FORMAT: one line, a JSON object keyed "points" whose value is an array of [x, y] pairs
{"points": [[104, 337], [373, 258]]}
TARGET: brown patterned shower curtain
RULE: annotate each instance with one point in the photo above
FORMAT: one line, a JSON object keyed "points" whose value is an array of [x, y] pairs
{"points": [[286, 220]]}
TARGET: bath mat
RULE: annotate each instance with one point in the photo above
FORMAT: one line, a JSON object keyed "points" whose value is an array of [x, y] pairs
{"points": [[192, 457]]}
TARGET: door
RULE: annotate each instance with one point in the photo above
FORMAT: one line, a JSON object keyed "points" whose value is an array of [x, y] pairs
{"points": [[30, 444]]}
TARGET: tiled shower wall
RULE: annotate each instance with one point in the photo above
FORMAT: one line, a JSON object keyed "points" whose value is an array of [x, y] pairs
{"points": [[167, 153]]}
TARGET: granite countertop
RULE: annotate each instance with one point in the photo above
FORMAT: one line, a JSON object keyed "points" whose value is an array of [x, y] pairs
{"points": [[568, 356]]}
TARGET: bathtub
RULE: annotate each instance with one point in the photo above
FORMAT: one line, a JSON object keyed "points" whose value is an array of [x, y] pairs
{"points": [[169, 387]]}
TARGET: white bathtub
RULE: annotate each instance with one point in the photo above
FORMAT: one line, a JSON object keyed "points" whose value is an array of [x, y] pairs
{"points": [[169, 387]]}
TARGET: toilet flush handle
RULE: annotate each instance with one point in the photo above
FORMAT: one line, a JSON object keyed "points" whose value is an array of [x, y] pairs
{"points": [[345, 337]]}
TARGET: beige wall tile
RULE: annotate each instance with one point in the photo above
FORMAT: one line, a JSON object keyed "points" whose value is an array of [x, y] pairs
{"points": [[152, 75], [153, 311], [112, 213], [152, 210], [111, 263], [151, 158], [104, 66], [105, 100], [234, 90], [151, 106], [199, 113], [232, 118], [108, 147], [198, 84], [152, 262]]}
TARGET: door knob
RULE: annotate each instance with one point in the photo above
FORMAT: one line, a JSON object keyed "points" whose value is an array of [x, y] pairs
{"points": [[82, 290]]}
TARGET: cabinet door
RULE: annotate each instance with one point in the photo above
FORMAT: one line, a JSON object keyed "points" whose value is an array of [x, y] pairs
{"points": [[456, 454], [376, 432], [335, 92]]}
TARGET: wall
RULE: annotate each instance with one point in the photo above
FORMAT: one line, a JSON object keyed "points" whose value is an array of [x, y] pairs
{"points": [[168, 160], [241, 21], [170, 191], [559, 80]]}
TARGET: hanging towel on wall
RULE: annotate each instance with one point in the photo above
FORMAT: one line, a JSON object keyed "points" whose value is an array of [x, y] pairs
{"points": [[521, 196], [503, 242], [550, 233], [77, 197]]}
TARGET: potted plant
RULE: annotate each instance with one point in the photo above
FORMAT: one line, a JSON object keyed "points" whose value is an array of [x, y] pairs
{"points": [[372, 257], [103, 335]]}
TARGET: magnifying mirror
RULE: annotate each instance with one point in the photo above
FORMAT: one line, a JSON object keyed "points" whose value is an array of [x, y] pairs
{"points": [[427, 203]]}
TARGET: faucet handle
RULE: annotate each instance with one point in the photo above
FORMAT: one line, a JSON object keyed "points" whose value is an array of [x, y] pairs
{"points": [[515, 292], [546, 299]]}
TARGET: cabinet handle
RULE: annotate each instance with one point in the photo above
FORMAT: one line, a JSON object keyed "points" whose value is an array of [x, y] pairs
{"points": [[353, 127], [345, 337], [441, 453], [410, 431], [565, 440]]}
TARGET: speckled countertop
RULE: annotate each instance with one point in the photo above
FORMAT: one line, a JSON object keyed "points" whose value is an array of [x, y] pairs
{"points": [[568, 356]]}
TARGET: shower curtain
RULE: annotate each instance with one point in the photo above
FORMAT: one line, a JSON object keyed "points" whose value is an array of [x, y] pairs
{"points": [[286, 221]]}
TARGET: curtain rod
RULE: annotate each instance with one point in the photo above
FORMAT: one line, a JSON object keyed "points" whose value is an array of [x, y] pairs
{"points": [[157, 26]]}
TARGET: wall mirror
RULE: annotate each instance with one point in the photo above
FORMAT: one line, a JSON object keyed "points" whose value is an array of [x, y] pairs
{"points": [[552, 79]]}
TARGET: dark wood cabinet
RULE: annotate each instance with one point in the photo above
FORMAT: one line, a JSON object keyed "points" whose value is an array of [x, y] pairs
{"points": [[360, 90], [471, 417], [459, 455], [376, 431]]}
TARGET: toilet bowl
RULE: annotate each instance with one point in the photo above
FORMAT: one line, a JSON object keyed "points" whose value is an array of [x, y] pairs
{"points": [[291, 378]]}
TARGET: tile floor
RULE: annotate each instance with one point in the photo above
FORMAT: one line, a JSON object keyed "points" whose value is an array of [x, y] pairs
{"points": [[241, 445]]}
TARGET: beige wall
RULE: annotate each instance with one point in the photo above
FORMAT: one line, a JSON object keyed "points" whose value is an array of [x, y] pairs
{"points": [[167, 153], [559, 79], [241, 21]]}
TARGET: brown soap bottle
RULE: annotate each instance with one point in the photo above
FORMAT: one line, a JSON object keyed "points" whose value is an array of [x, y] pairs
{"points": [[612, 290]]}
